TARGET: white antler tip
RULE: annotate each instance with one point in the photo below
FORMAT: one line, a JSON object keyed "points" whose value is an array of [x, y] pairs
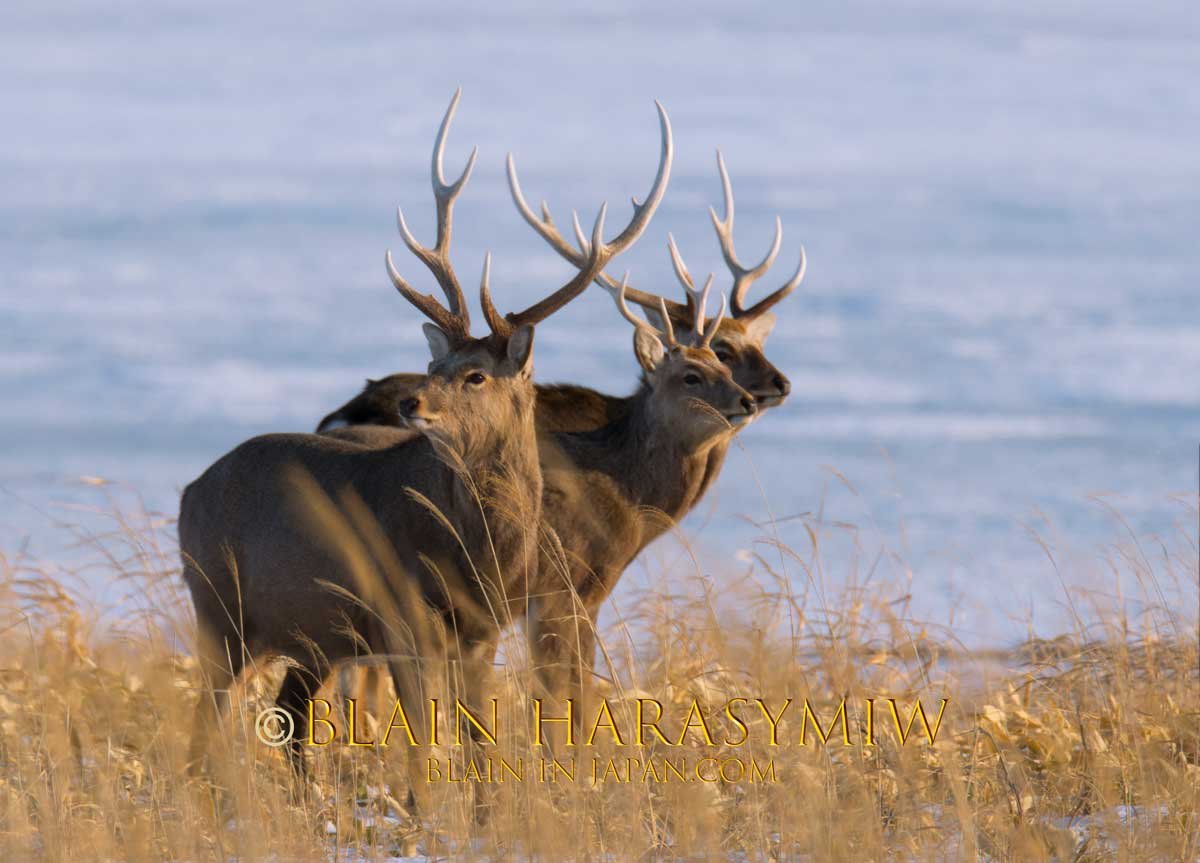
{"points": [[598, 228], [803, 266], [393, 273]]}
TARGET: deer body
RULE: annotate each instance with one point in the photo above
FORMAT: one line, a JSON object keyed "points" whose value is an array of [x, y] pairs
{"points": [[560, 407], [616, 475], [609, 491], [285, 560], [320, 548], [409, 542]]}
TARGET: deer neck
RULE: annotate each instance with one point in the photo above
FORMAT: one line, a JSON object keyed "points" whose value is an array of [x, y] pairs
{"points": [[645, 458], [497, 492], [712, 467]]}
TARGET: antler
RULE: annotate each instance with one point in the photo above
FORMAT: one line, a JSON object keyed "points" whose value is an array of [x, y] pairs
{"points": [[456, 320], [744, 277], [697, 299], [667, 336], [548, 231]]}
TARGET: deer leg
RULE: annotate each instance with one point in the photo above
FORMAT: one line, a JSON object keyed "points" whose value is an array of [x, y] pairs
{"points": [[563, 651], [345, 684], [477, 662], [371, 687], [409, 683], [582, 662], [218, 669], [299, 684]]}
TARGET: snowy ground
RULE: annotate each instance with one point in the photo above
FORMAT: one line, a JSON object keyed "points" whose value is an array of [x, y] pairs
{"points": [[999, 207]]}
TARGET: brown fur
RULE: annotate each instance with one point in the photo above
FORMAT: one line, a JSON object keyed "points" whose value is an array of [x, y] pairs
{"points": [[617, 473], [318, 547]]}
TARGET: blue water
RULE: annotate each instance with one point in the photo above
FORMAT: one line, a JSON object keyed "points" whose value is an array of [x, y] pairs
{"points": [[999, 203]]}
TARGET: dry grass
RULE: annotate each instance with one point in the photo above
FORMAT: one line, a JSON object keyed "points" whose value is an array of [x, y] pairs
{"points": [[1085, 747]]}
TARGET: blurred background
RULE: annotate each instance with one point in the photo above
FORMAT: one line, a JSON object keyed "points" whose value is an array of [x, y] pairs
{"points": [[997, 345]]}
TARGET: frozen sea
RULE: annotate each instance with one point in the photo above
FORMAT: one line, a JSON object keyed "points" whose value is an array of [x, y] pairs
{"points": [[999, 201]]}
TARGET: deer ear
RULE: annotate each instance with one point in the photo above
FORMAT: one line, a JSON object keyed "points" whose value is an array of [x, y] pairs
{"points": [[648, 349], [759, 327], [439, 342], [520, 348]]}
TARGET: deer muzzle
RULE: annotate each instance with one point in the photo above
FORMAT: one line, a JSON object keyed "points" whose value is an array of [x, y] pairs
{"points": [[415, 413], [748, 409], [774, 392]]}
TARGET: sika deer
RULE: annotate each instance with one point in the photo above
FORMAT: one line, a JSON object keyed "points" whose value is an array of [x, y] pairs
{"points": [[566, 407], [410, 542], [609, 492]]}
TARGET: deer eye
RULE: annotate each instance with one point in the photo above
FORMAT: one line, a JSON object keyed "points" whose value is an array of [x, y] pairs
{"points": [[723, 353], [692, 379], [476, 379]]}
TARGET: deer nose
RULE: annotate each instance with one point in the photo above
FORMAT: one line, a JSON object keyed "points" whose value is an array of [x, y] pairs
{"points": [[409, 406], [748, 405], [782, 384]]}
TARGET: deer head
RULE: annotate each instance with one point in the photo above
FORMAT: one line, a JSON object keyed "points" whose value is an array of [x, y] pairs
{"points": [[475, 386], [740, 338], [691, 392]]}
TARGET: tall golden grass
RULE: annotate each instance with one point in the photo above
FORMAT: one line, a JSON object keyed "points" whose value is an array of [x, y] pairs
{"points": [[1081, 747]]}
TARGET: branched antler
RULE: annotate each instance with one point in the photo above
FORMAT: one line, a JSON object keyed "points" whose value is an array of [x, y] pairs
{"points": [[548, 231], [456, 320], [744, 277], [697, 299], [666, 336], [596, 254], [703, 336]]}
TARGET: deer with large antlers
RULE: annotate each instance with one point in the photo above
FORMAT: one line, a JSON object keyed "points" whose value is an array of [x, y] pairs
{"points": [[610, 491], [410, 542], [601, 530], [739, 340]]}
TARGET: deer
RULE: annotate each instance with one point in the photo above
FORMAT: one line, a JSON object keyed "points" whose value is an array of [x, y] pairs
{"points": [[562, 627], [409, 542], [609, 492], [739, 342]]}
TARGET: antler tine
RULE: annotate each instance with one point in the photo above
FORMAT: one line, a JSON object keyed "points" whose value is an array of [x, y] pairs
{"points": [[618, 294], [580, 236], [743, 277], [700, 299], [707, 338], [681, 270], [697, 299], [437, 259], [454, 325], [440, 187], [490, 314], [642, 212], [773, 298], [666, 319], [599, 255], [548, 231]]}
